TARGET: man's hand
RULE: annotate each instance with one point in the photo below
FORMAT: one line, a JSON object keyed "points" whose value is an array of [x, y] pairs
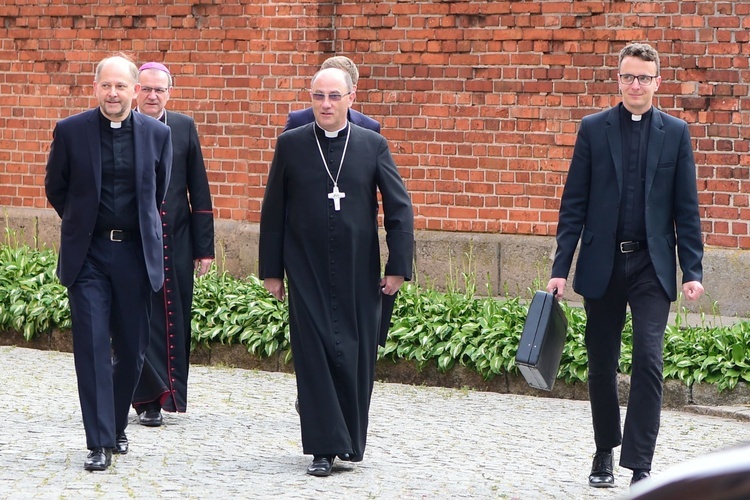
{"points": [[390, 284], [203, 265], [692, 290], [275, 286], [558, 283]]}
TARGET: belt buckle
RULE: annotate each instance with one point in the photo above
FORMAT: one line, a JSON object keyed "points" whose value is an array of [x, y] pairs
{"points": [[622, 246], [112, 235]]}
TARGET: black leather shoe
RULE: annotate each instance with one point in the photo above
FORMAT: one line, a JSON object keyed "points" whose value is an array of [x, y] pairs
{"points": [[98, 459], [320, 466], [150, 418], [601, 470], [639, 475], [121, 444]]}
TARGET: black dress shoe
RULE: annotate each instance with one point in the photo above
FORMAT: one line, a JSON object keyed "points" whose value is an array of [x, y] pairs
{"points": [[150, 418], [639, 475], [98, 459], [121, 444], [601, 470], [321, 466]]}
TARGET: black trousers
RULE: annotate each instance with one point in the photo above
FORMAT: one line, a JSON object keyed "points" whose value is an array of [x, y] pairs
{"points": [[634, 283], [110, 306]]}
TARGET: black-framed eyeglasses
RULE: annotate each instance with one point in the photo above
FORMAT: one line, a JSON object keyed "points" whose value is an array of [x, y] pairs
{"points": [[627, 79], [158, 90], [320, 96]]}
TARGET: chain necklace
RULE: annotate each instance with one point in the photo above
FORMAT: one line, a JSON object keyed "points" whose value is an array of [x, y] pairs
{"points": [[334, 195]]}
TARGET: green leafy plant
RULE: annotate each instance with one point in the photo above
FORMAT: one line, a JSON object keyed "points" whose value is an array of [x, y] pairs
{"points": [[429, 326], [32, 300]]}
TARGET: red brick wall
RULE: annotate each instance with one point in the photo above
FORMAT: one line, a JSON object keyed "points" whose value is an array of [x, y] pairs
{"points": [[480, 100]]}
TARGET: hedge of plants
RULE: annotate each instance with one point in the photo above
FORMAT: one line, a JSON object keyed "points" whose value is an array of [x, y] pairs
{"points": [[429, 326]]}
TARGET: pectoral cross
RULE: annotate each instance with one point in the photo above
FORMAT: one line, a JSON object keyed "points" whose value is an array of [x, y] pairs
{"points": [[336, 196]]}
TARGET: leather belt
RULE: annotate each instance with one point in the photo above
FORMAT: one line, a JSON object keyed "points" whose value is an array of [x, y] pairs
{"points": [[632, 246], [117, 235]]}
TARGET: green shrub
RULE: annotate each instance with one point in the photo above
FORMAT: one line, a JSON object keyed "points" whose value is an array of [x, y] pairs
{"points": [[429, 326]]}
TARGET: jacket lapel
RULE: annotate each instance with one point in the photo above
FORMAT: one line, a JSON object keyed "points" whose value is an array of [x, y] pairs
{"points": [[655, 142], [93, 137], [139, 141], [614, 139]]}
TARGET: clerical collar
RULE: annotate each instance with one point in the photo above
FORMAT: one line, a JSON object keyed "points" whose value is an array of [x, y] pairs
{"points": [[636, 118], [331, 135], [115, 125], [162, 117]]}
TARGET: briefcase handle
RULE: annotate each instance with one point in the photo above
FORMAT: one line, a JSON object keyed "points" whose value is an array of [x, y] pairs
{"points": [[554, 292]]}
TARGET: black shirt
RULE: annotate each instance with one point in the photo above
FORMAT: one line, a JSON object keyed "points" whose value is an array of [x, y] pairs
{"points": [[118, 205], [631, 224]]}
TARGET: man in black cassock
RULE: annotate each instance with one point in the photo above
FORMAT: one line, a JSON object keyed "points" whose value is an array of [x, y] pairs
{"points": [[188, 230], [319, 225]]}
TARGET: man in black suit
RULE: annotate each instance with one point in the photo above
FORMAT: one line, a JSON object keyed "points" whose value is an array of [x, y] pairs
{"points": [[107, 174], [630, 198], [188, 232], [305, 116]]}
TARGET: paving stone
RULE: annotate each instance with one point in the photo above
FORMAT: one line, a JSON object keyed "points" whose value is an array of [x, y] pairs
{"points": [[240, 439]]}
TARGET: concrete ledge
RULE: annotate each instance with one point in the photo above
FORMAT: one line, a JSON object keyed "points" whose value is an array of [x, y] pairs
{"points": [[732, 404], [500, 263]]}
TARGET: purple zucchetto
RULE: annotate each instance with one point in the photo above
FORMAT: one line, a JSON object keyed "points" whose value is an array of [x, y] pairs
{"points": [[154, 65]]}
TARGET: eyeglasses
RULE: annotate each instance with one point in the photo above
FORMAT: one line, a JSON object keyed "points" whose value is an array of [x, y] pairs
{"points": [[627, 79], [320, 96], [158, 90]]}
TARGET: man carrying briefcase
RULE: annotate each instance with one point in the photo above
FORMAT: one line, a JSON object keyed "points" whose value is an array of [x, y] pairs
{"points": [[629, 192]]}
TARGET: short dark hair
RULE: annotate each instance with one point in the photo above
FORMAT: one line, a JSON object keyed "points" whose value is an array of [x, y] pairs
{"points": [[642, 51]]}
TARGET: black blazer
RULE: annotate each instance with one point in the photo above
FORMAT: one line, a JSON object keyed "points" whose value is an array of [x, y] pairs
{"points": [[73, 186], [305, 116], [590, 203]]}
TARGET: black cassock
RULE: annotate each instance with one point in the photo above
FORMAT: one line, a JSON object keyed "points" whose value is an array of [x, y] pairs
{"points": [[332, 264], [188, 224]]}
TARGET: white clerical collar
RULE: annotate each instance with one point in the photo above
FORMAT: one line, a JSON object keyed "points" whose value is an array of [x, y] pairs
{"points": [[331, 135], [115, 124], [162, 115]]}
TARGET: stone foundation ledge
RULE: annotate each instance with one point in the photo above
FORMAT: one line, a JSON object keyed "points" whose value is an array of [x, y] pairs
{"points": [[703, 399]]}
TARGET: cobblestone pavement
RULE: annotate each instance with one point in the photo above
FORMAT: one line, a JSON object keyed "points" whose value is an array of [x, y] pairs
{"points": [[240, 439]]}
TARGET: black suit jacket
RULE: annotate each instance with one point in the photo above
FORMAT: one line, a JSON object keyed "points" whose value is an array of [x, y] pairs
{"points": [[590, 203], [73, 186], [305, 116]]}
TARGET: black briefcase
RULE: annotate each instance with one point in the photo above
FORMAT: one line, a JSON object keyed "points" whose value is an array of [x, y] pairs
{"points": [[542, 341]]}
